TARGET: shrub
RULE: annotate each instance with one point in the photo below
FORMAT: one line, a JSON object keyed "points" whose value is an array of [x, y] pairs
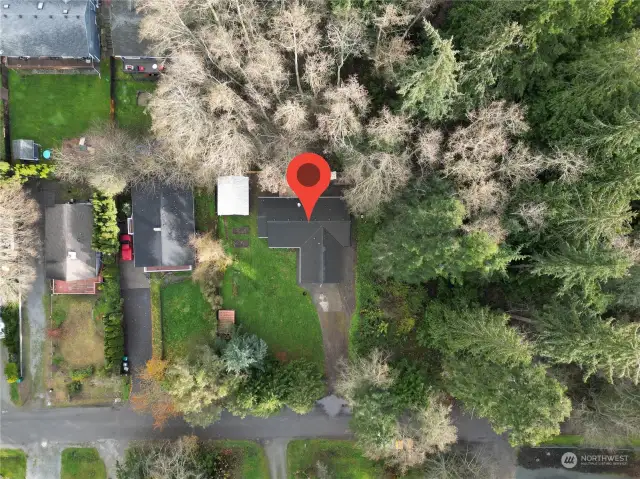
{"points": [[74, 387], [9, 314], [82, 373], [113, 340], [11, 372], [58, 359], [105, 226]]}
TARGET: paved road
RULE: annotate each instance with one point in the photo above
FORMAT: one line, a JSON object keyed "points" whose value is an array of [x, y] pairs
{"points": [[76, 425]]}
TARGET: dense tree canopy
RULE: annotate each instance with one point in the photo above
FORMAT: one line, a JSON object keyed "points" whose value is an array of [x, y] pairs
{"points": [[424, 240]]}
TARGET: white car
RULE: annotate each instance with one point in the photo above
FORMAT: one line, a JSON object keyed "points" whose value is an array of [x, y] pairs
{"points": [[1, 329]]}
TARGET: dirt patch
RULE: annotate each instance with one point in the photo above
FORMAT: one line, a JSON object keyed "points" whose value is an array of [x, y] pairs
{"points": [[335, 339], [243, 230], [81, 344], [335, 321]]}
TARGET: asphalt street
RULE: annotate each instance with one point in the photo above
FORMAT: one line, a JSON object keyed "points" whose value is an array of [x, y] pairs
{"points": [[78, 425]]}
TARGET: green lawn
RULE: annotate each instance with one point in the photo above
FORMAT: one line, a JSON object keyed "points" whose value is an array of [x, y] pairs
{"points": [[205, 210], [254, 461], [186, 317], [341, 458], [13, 464], [155, 288], [261, 286], [49, 108], [128, 114], [82, 463], [576, 440]]}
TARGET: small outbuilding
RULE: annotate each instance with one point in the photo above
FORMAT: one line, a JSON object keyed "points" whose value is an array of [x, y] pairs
{"points": [[25, 150], [233, 196]]}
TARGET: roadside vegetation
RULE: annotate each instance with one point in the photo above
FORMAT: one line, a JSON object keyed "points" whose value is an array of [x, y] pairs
{"points": [[13, 464], [82, 463], [318, 458], [190, 457]]}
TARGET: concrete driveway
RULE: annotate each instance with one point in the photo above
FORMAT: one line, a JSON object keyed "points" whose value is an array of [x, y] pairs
{"points": [[137, 314]]}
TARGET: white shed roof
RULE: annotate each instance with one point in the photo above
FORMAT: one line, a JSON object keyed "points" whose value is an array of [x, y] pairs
{"points": [[233, 195]]}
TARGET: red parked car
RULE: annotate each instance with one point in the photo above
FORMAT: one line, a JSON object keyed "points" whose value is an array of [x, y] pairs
{"points": [[126, 247]]}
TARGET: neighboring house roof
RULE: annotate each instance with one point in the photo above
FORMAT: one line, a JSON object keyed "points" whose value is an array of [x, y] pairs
{"points": [[233, 195], [163, 223], [26, 30], [67, 242], [24, 150], [321, 241], [125, 24]]}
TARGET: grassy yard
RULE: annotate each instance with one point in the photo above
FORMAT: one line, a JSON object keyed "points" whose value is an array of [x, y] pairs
{"points": [[254, 462], [186, 317], [78, 345], [128, 114], [155, 288], [13, 464], [48, 108], [261, 286], [82, 463], [341, 459], [205, 210], [576, 440]]}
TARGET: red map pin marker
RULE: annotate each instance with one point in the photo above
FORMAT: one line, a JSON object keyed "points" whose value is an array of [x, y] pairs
{"points": [[308, 176]]}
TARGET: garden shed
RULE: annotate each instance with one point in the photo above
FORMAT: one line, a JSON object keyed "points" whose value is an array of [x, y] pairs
{"points": [[233, 196], [25, 150]]}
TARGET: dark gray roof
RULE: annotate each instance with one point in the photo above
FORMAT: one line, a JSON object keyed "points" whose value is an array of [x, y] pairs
{"points": [[321, 241], [68, 230], [49, 32], [125, 23], [170, 210]]}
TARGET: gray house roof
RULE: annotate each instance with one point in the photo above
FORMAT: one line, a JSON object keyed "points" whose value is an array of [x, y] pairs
{"points": [[320, 242], [67, 243], [163, 223], [26, 30], [125, 23]]}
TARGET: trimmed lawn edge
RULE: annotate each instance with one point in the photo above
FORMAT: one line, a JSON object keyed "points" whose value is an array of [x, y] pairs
{"points": [[155, 285], [13, 463], [78, 462], [577, 440]]}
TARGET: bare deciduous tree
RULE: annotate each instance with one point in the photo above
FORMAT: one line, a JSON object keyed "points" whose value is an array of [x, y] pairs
{"points": [[488, 224], [568, 164], [533, 214], [375, 177], [389, 130], [347, 106], [373, 369], [429, 147], [346, 36], [296, 30], [112, 159], [19, 240]]}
